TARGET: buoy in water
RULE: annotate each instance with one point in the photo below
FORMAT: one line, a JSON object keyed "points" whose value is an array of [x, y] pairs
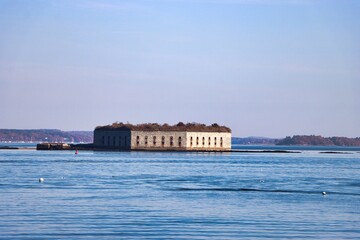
{"points": [[41, 180], [76, 151], [323, 193]]}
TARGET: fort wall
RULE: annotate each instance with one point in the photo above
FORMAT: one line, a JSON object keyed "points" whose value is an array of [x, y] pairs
{"points": [[162, 140], [213, 141], [115, 140], [158, 140]]}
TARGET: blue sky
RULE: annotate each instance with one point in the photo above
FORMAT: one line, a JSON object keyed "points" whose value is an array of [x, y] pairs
{"points": [[263, 67]]}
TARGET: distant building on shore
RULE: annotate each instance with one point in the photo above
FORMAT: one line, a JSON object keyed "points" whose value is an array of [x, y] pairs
{"points": [[179, 137]]}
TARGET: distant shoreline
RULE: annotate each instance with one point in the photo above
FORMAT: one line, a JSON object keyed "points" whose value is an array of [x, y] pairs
{"points": [[9, 136], [16, 148], [244, 150], [313, 140]]}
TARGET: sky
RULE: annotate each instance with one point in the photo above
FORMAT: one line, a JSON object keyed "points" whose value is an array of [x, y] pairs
{"points": [[270, 68]]}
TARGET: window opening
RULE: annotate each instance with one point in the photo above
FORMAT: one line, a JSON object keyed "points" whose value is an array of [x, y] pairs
{"points": [[171, 141]]}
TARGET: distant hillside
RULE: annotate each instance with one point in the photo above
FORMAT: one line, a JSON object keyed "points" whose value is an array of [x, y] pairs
{"points": [[44, 135], [253, 141], [313, 140]]}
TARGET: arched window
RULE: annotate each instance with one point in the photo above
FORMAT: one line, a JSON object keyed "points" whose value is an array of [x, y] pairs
{"points": [[162, 140], [191, 141], [103, 140], [179, 141], [215, 141], [154, 140], [203, 141], [221, 142], [137, 140], [146, 140], [197, 141], [171, 141], [209, 141]]}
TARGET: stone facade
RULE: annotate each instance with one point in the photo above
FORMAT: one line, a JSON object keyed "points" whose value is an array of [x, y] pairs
{"points": [[110, 139], [161, 140], [212, 141]]}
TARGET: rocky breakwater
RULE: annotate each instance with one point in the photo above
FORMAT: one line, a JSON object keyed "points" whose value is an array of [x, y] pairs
{"points": [[64, 146], [53, 146]]}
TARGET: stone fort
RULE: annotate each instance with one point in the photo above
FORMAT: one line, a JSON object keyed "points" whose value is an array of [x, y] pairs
{"points": [[153, 136]]}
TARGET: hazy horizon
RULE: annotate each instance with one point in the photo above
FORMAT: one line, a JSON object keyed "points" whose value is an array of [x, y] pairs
{"points": [[233, 136], [268, 68]]}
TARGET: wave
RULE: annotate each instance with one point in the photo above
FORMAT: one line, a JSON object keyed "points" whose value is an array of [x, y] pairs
{"points": [[261, 190]]}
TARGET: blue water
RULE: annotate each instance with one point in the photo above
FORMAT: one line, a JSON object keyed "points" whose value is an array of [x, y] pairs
{"points": [[294, 148], [146, 195], [19, 144]]}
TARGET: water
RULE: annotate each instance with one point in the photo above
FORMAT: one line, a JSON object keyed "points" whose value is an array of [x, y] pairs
{"points": [[146, 195], [295, 148], [29, 145]]}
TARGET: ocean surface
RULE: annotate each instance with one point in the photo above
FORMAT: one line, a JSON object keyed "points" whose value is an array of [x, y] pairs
{"points": [[155, 195]]}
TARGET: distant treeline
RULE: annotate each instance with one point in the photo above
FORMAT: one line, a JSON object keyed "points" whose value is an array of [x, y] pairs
{"points": [[45, 135], [253, 141], [313, 140], [55, 135]]}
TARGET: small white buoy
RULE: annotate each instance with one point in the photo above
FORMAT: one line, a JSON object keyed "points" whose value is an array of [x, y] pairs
{"points": [[41, 180], [323, 193]]}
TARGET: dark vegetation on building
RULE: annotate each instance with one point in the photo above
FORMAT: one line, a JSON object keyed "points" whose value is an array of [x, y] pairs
{"points": [[189, 127]]}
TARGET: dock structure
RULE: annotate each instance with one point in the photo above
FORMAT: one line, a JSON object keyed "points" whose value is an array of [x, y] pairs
{"points": [[53, 146]]}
